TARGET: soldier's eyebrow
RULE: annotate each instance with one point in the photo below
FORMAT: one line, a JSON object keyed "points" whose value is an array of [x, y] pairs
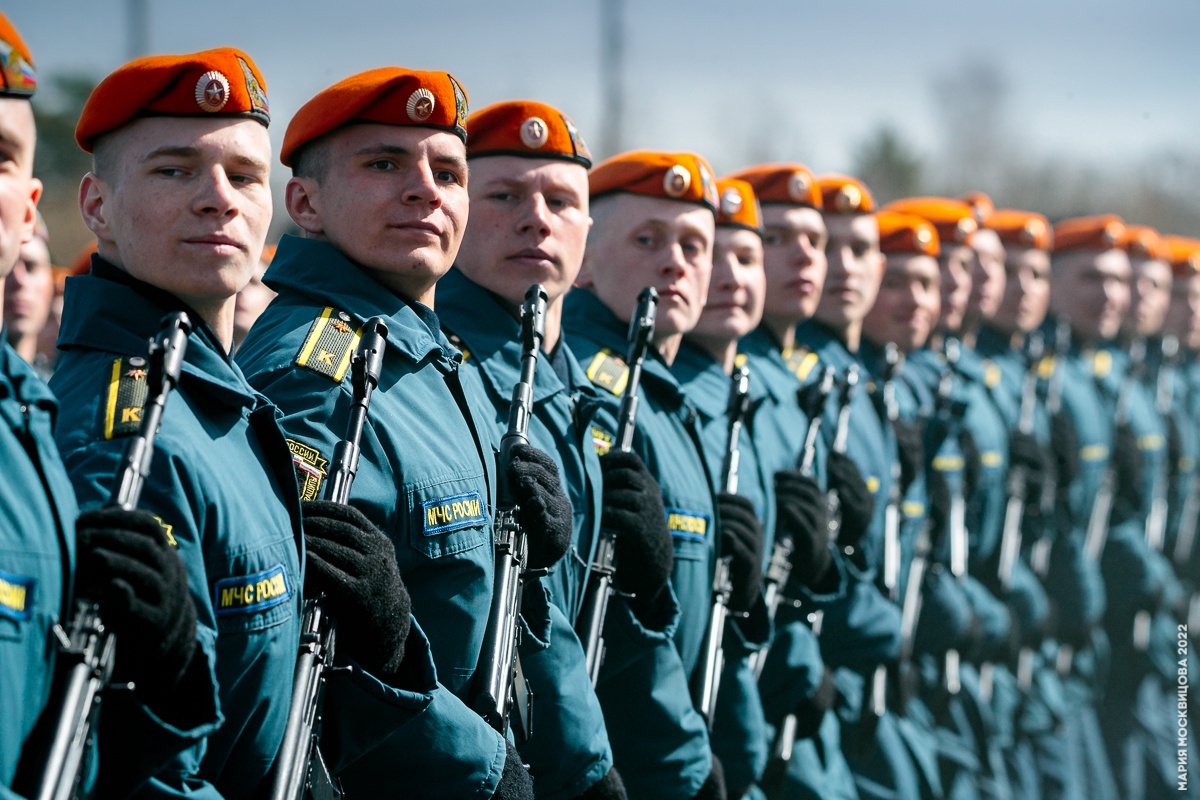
{"points": [[450, 160], [380, 149], [174, 151]]}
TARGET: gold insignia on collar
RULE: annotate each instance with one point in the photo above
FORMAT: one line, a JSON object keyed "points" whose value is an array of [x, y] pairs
{"points": [[609, 372], [127, 391], [330, 344]]}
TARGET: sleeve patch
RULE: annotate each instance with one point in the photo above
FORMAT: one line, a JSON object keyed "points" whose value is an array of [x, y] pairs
{"points": [[330, 344], [453, 513], [801, 362], [16, 596], [608, 372], [310, 469], [602, 440], [685, 524], [126, 396], [250, 593]]}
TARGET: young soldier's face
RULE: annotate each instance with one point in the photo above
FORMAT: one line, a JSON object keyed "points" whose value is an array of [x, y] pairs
{"points": [[908, 304], [1092, 289], [641, 241], [184, 205], [1183, 317], [987, 275], [738, 286], [393, 199], [793, 261], [855, 269], [19, 190], [1026, 291], [29, 290], [1151, 295], [529, 224], [956, 263]]}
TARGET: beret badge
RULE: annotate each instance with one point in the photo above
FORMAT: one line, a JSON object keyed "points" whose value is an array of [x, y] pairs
{"points": [[799, 186], [212, 91], [849, 198], [731, 202], [676, 181], [420, 105], [534, 133]]}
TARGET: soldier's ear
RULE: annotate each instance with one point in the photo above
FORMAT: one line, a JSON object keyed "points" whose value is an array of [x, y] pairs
{"points": [[302, 197], [93, 196], [584, 278]]}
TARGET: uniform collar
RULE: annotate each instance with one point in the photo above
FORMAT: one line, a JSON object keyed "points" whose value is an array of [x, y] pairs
{"points": [[19, 380], [762, 346], [703, 380], [320, 271], [110, 310]]}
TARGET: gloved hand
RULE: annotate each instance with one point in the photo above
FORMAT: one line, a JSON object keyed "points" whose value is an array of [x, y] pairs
{"points": [[937, 507], [1127, 463], [545, 510], [856, 502], [741, 538], [1064, 441], [1024, 451], [515, 781], [354, 564], [971, 460], [610, 787], [633, 510], [810, 711], [714, 784], [910, 443], [803, 514], [126, 565], [1174, 447]]}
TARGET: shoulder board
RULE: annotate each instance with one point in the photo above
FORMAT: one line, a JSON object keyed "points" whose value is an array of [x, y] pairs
{"points": [[1102, 364], [800, 362], [608, 371], [1045, 367], [127, 391], [991, 374], [330, 344], [739, 360], [458, 343]]}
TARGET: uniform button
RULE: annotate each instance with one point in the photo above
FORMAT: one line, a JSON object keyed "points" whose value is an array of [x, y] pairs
{"points": [[24, 409]]}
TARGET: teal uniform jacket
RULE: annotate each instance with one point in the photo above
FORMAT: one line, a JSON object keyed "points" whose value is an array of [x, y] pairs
{"points": [[776, 427], [222, 462], [569, 751], [739, 728], [37, 548], [660, 743]]}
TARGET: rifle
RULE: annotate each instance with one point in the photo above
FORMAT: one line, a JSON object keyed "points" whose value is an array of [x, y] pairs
{"points": [[956, 519], [841, 437], [1097, 530], [780, 567], [712, 654], [87, 649], [500, 681], [891, 535], [300, 766], [910, 614], [594, 604], [1014, 511], [1039, 556]]}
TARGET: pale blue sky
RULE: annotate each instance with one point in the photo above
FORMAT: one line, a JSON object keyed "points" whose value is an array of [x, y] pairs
{"points": [[1105, 80]]}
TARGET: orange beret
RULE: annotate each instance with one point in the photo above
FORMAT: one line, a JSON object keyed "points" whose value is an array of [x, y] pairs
{"points": [[955, 220], [526, 128], [674, 176], [222, 81], [16, 63], [1100, 232], [268, 253], [905, 233], [841, 194], [738, 207], [1020, 228], [1184, 254], [1143, 242], [782, 183], [389, 96], [980, 204]]}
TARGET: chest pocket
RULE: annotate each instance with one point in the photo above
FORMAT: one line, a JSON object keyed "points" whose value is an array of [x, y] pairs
{"points": [[449, 516], [256, 589], [692, 526]]}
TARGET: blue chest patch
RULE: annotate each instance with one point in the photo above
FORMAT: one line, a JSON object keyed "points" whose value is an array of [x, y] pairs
{"points": [[16, 596], [248, 593], [685, 524], [447, 514]]}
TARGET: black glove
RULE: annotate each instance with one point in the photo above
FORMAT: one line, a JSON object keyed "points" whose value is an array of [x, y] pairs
{"points": [[515, 781], [910, 443], [1174, 447], [1064, 441], [126, 565], [1127, 465], [803, 514], [1025, 451], [610, 787], [714, 784], [971, 457], [741, 538], [855, 500], [810, 711], [633, 510], [545, 510], [354, 564]]}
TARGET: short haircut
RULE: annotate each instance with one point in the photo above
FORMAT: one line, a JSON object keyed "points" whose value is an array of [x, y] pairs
{"points": [[311, 160]]}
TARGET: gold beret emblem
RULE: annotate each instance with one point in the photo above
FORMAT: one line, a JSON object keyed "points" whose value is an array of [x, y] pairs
{"points": [[534, 133], [420, 105], [731, 202], [676, 181], [848, 198], [798, 186], [924, 236], [212, 91], [965, 227]]}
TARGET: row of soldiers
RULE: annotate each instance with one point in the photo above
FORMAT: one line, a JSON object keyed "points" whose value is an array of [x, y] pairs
{"points": [[883, 525]]}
